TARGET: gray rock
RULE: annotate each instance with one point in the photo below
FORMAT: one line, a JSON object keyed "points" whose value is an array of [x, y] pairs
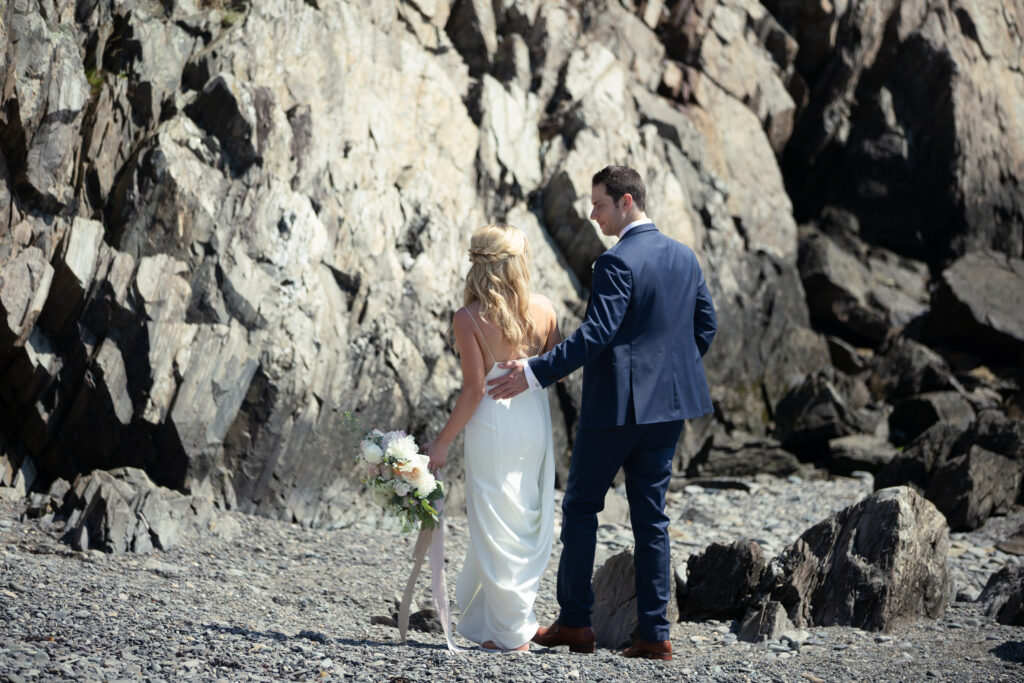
{"points": [[977, 305], [614, 612], [859, 452], [1003, 596], [1013, 544], [75, 265], [765, 622], [916, 463], [46, 77], [838, 287], [874, 565], [738, 456], [721, 580], [23, 290], [845, 357], [993, 430], [906, 368], [910, 417], [815, 412], [122, 510], [875, 165], [969, 488]]}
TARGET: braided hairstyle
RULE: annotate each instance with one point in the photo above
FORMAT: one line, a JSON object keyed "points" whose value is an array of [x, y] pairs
{"points": [[500, 280]]}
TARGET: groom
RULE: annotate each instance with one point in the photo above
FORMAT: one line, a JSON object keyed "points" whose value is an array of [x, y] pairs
{"points": [[649, 321]]}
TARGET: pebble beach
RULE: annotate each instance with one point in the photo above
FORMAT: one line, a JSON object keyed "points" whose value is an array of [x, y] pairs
{"points": [[272, 601]]}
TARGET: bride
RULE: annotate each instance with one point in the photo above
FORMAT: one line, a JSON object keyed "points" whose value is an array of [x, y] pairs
{"points": [[508, 449]]}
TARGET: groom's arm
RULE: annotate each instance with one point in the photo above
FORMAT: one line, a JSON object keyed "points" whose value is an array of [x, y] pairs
{"points": [[609, 300], [705, 322]]}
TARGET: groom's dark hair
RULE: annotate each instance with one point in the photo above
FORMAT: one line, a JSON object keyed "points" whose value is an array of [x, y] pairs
{"points": [[620, 180]]}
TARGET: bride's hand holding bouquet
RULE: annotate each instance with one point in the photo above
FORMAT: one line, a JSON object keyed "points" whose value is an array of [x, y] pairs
{"points": [[400, 478]]}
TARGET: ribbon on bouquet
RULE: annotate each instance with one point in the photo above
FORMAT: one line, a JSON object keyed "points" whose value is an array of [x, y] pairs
{"points": [[432, 540]]}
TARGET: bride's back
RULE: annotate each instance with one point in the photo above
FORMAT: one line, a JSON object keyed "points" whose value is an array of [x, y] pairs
{"points": [[493, 341], [509, 321]]}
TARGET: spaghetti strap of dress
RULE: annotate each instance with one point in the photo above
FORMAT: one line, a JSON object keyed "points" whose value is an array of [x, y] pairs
{"points": [[486, 345]]}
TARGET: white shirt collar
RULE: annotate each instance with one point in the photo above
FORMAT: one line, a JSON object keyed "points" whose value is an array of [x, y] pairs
{"points": [[632, 225]]}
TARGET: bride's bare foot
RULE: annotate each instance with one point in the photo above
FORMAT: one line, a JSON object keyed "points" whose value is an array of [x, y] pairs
{"points": [[490, 646]]}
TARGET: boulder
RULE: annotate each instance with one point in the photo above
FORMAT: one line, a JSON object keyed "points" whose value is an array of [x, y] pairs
{"points": [[755, 363], [123, 511], [969, 488], [874, 565], [739, 456], [721, 580], [767, 621], [905, 368], [993, 430], [912, 416], [614, 612], [838, 287], [916, 463], [24, 287], [1013, 544], [977, 303], [859, 452], [815, 412], [846, 357], [1003, 596]]}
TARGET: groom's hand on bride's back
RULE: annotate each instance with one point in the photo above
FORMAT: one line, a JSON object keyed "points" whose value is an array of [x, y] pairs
{"points": [[510, 384]]}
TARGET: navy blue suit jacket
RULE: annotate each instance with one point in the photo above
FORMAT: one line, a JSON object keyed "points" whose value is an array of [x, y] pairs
{"points": [[649, 322]]}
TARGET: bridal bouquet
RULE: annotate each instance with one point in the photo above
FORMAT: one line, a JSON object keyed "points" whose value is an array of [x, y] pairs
{"points": [[397, 474]]}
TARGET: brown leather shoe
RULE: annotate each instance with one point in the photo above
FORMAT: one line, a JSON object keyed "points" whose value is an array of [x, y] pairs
{"points": [[578, 639], [648, 650]]}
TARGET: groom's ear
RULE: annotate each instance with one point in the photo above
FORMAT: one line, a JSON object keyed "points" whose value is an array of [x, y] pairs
{"points": [[626, 201]]}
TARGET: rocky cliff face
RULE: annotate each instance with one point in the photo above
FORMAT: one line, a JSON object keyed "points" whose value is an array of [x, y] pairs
{"points": [[232, 235]]}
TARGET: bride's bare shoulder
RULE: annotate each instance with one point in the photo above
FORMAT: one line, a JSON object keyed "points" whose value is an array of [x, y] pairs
{"points": [[542, 305], [540, 300]]}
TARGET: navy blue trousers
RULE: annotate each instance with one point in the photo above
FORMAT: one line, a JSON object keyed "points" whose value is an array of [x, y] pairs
{"points": [[645, 453]]}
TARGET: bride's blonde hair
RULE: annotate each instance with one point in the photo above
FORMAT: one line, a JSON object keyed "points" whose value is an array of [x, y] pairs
{"points": [[500, 280]]}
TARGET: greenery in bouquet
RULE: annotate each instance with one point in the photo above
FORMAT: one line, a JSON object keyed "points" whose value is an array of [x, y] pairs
{"points": [[397, 474]]}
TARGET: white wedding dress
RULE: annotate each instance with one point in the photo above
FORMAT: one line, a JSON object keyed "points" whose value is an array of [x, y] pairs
{"points": [[510, 477]]}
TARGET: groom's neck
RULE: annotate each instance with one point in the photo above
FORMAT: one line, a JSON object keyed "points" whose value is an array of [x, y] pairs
{"points": [[631, 219]]}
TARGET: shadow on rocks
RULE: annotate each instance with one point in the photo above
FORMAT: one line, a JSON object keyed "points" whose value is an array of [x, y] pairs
{"points": [[315, 636], [1010, 651], [318, 637]]}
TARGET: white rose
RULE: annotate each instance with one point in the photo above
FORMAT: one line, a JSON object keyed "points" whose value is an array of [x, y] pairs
{"points": [[403, 449], [402, 488], [372, 453], [386, 439], [426, 484]]}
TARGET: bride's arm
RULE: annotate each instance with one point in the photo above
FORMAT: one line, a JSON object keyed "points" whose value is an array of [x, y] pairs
{"points": [[554, 335], [472, 360]]}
